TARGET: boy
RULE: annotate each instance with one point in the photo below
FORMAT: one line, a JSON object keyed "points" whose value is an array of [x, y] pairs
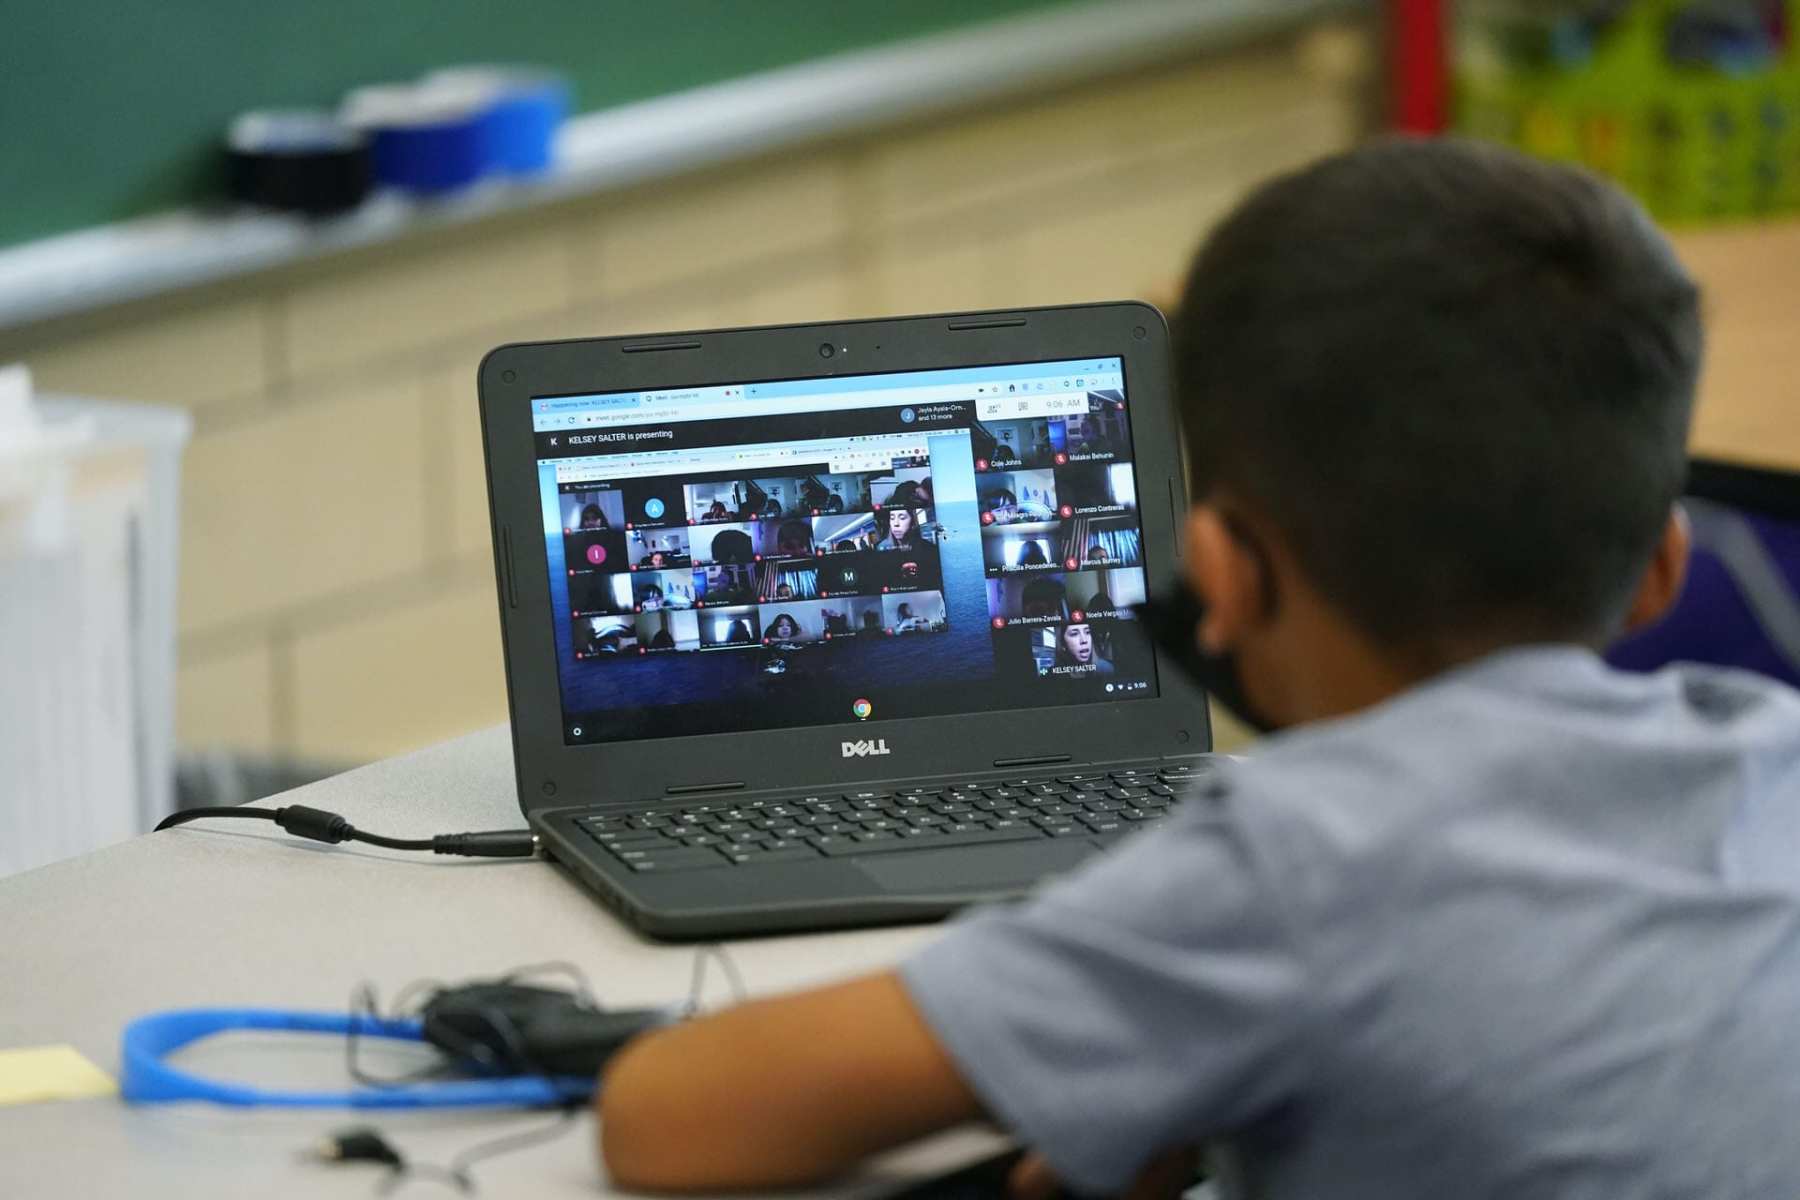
{"points": [[1488, 918]]}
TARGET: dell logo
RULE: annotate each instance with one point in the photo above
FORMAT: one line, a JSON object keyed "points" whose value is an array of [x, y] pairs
{"points": [[866, 748]]}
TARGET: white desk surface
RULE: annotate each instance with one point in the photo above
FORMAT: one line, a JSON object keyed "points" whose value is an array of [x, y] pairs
{"points": [[240, 914]]}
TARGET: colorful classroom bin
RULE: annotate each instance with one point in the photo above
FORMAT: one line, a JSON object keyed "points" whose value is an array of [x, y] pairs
{"points": [[1694, 105]]}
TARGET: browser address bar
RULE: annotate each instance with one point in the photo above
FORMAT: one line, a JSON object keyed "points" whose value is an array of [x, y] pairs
{"points": [[1033, 404], [775, 406]]}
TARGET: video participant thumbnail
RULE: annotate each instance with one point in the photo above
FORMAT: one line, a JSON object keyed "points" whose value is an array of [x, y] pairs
{"points": [[1035, 599], [902, 487], [915, 612], [1010, 445], [793, 623], [654, 590], [716, 500], [596, 550], [788, 581], [594, 592], [847, 534], [725, 584], [1078, 648], [852, 616], [769, 497], [597, 637], [849, 574], [791, 537], [1013, 497], [909, 571], [667, 629], [1095, 488], [722, 543], [826, 494], [592, 510], [902, 528], [813, 494], [654, 503], [1033, 547], [1068, 650], [655, 549], [1100, 434], [1103, 542], [726, 627], [1110, 593]]}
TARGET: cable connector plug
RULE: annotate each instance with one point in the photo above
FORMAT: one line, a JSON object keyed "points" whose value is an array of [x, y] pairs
{"points": [[503, 843], [361, 1144], [317, 825], [314, 823]]}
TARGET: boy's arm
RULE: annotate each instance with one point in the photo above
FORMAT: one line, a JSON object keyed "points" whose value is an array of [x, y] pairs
{"points": [[1099, 1023], [777, 1092]]}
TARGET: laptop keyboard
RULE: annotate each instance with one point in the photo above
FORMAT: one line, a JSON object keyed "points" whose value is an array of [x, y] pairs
{"points": [[814, 825]]}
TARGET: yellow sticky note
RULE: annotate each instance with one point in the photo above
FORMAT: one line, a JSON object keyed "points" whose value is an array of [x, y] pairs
{"points": [[37, 1073]]}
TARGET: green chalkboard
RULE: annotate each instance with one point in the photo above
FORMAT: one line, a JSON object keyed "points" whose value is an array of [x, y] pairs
{"points": [[114, 108]]}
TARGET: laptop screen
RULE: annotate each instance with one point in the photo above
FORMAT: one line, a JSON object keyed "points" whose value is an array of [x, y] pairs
{"points": [[842, 551]]}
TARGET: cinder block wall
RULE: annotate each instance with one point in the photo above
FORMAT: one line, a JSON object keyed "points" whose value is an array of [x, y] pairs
{"points": [[336, 598]]}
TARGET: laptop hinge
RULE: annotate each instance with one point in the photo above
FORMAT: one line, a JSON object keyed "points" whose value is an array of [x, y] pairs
{"points": [[689, 789], [1042, 760]]}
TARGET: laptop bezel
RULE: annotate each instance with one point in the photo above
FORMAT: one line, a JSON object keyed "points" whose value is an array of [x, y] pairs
{"points": [[553, 774]]}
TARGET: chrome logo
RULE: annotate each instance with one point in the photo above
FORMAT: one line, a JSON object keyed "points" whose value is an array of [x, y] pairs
{"points": [[862, 709]]}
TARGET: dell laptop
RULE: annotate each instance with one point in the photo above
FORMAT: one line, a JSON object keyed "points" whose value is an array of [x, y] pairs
{"points": [[834, 624]]}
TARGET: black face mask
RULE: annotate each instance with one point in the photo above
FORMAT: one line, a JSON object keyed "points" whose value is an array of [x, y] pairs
{"points": [[1173, 621]]}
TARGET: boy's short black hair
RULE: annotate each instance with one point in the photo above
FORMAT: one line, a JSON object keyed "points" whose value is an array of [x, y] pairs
{"points": [[1456, 379]]}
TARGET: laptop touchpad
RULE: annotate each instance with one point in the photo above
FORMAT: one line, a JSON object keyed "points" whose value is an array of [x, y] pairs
{"points": [[974, 869]]}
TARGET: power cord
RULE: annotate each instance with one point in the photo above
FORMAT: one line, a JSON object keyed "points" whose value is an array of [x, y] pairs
{"points": [[321, 826]]}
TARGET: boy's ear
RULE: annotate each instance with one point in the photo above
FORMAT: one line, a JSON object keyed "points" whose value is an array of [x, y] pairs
{"points": [[1661, 585], [1226, 575]]}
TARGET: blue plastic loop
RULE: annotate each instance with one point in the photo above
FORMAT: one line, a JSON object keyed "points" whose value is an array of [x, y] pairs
{"points": [[147, 1078]]}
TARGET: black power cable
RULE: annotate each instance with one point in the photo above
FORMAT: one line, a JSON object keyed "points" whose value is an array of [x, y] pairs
{"points": [[322, 826]]}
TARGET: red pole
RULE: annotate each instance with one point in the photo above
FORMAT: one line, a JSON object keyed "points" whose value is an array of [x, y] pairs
{"points": [[1419, 74]]}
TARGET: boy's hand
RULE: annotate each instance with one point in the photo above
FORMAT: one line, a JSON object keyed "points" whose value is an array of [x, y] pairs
{"points": [[777, 1093], [1163, 1178]]}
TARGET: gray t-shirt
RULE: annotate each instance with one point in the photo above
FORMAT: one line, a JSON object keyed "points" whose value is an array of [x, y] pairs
{"points": [[1530, 929]]}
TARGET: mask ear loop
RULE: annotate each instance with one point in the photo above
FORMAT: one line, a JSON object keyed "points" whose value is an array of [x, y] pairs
{"points": [[1173, 620]]}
